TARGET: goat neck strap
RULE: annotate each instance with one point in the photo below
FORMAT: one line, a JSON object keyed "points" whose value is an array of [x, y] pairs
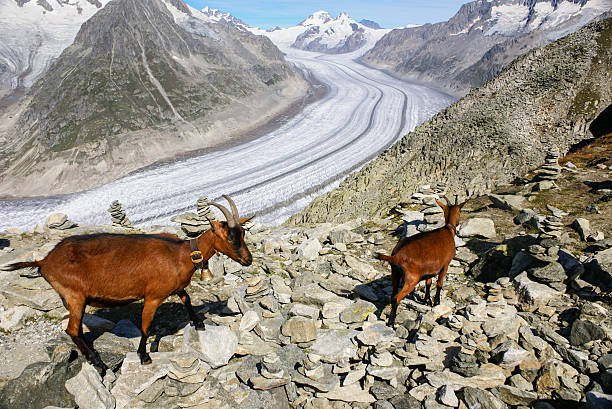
{"points": [[453, 228], [196, 255]]}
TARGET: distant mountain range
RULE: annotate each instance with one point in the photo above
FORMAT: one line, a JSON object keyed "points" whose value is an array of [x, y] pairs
{"points": [[482, 38], [321, 32]]}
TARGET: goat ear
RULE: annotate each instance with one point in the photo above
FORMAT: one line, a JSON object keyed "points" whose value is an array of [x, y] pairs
{"points": [[442, 205], [243, 220]]}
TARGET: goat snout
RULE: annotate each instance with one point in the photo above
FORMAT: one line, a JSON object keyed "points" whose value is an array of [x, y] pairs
{"points": [[246, 261]]}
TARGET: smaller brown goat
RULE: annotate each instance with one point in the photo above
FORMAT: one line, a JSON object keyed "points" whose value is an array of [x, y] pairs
{"points": [[106, 270], [423, 256]]}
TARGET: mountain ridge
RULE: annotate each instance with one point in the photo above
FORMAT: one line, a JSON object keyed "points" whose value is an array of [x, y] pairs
{"points": [[544, 99], [478, 41]]}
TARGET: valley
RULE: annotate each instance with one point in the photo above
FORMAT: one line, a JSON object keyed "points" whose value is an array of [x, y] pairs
{"points": [[363, 113]]}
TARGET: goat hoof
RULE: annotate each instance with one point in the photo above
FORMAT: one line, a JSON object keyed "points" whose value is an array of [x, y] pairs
{"points": [[145, 359], [101, 368], [199, 325]]}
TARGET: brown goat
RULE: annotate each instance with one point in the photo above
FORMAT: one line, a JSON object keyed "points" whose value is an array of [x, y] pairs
{"points": [[105, 270], [423, 256]]}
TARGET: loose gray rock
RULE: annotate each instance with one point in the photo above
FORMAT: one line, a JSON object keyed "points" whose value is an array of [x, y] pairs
{"points": [[215, 345], [88, 391], [477, 226], [585, 331]]}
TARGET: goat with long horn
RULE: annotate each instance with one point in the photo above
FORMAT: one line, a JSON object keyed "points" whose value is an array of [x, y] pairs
{"points": [[114, 269], [422, 257]]}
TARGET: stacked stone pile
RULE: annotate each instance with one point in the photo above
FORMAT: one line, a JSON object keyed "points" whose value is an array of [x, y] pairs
{"points": [[551, 168], [59, 221], [194, 224], [434, 215], [551, 227], [118, 215], [549, 172]]}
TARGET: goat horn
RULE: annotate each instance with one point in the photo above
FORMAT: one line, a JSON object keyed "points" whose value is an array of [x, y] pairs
{"points": [[448, 202], [456, 200], [233, 207], [231, 222]]}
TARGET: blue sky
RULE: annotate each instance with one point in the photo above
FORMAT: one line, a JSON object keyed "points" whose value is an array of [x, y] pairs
{"points": [[285, 13]]}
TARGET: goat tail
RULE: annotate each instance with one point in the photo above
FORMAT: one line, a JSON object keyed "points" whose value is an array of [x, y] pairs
{"points": [[384, 257], [19, 265]]}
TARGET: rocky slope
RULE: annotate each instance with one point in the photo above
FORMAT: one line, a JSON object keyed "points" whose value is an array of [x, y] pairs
{"points": [[525, 319], [483, 37], [140, 65], [545, 98]]}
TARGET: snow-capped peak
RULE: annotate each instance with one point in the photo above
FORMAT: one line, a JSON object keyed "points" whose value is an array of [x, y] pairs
{"points": [[317, 18], [219, 16]]}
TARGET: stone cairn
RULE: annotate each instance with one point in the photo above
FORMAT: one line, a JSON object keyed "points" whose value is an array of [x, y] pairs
{"points": [[118, 216], [59, 221], [502, 289], [548, 173], [433, 214], [194, 224]]}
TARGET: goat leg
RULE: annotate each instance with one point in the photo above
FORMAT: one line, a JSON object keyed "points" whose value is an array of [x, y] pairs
{"points": [[427, 293], [148, 312], [197, 321], [76, 307], [440, 281]]}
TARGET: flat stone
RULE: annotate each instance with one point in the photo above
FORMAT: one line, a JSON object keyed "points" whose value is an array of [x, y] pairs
{"points": [[309, 249], [478, 398], [314, 294], [350, 393], [360, 270], [35, 293], [249, 320], [357, 312], [300, 329], [135, 378], [477, 226], [333, 345], [88, 390], [550, 273], [490, 376], [261, 383], [374, 334], [95, 323], [14, 318], [215, 345], [532, 295], [305, 311], [508, 202]]}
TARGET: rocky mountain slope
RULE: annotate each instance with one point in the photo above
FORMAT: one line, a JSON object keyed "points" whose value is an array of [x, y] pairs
{"points": [[483, 37], [525, 318], [322, 33], [140, 65], [544, 99]]}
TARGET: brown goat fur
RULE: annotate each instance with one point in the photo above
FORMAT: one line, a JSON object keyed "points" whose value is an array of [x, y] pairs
{"points": [[106, 270], [423, 256]]}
